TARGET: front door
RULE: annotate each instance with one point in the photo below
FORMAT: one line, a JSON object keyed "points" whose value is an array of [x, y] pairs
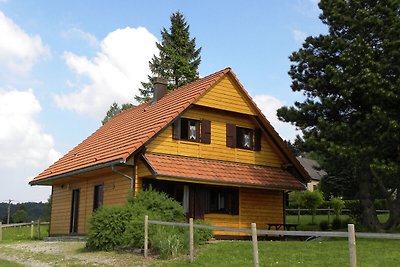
{"points": [[73, 229], [197, 202]]}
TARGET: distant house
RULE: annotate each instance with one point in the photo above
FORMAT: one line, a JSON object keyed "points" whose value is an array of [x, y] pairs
{"points": [[206, 144], [314, 171]]}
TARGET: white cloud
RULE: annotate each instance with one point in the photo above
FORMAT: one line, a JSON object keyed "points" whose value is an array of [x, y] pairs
{"points": [[22, 141], [25, 149], [269, 105], [18, 50], [75, 33], [299, 36], [114, 74]]}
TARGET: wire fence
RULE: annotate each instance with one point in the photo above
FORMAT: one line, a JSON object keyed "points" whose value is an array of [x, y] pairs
{"points": [[303, 216], [351, 235]]}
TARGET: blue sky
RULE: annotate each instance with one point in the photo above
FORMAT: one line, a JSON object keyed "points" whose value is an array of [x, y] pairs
{"points": [[62, 64]]}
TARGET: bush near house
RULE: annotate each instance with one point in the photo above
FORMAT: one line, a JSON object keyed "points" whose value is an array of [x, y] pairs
{"points": [[123, 227]]}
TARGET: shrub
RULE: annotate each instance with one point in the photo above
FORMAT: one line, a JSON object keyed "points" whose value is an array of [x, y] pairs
{"points": [[107, 227], [336, 224], [201, 236], [123, 226], [324, 225], [338, 204], [169, 241], [312, 200], [158, 206]]}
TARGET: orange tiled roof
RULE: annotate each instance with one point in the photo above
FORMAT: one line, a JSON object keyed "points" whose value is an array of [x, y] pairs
{"points": [[221, 172], [131, 129]]}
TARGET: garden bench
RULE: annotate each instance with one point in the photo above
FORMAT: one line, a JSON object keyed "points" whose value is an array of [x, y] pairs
{"points": [[286, 226]]}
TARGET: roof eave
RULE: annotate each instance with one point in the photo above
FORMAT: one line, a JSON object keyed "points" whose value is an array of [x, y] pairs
{"points": [[44, 181], [238, 184]]}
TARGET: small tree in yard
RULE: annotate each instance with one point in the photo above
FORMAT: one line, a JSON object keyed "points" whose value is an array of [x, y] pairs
{"points": [[338, 204], [312, 200]]}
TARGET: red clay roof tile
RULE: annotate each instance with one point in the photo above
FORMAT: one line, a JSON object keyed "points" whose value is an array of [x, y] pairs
{"points": [[195, 169], [128, 131]]}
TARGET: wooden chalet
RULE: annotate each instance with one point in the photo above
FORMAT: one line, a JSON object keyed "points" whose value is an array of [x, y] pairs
{"points": [[206, 144]]}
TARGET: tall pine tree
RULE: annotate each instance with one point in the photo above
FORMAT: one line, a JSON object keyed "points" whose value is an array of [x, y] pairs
{"points": [[351, 116], [178, 60]]}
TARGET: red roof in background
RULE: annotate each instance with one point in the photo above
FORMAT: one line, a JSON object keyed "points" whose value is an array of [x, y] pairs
{"points": [[129, 130], [204, 170]]}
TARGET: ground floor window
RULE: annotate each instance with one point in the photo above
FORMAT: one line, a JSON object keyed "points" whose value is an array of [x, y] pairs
{"points": [[222, 200], [98, 196], [198, 200]]}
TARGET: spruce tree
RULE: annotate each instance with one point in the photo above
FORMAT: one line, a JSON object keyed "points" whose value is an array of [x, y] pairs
{"points": [[178, 58], [115, 109], [350, 78]]}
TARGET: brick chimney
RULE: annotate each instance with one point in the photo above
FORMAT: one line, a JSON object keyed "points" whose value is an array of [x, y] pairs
{"points": [[160, 89]]}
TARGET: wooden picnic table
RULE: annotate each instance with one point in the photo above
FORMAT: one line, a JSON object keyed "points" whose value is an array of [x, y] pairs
{"points": [[285, 226]]}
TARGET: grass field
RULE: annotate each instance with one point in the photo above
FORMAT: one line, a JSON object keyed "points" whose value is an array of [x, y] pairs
{"points": [[223, 253], [5, 263], [24, 232], [297, 253]]}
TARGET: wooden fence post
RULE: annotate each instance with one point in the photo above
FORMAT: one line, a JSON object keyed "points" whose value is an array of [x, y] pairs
{"points": [[1, 231], [191, 239], [38, 229], [32, 229], [352, 245], [146, 235], [255, 245]]}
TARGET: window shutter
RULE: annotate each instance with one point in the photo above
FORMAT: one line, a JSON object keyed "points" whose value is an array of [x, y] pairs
{"points": [[176, 129], [206, 131], [230, 135], [257, 139]]}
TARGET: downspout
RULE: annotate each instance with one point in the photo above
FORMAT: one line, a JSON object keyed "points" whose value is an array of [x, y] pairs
{"points": [[124, 175]]}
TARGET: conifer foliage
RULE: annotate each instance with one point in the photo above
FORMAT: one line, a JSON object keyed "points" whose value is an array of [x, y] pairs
{"points": [[350, 78], [178, 58]]}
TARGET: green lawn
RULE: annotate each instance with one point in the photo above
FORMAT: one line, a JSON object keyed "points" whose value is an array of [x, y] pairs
{"points": [[23, 232], [5, 263], [297, 253], [223, 253]]}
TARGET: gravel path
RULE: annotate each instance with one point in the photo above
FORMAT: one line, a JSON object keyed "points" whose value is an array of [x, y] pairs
{"points": [[58, 253]]}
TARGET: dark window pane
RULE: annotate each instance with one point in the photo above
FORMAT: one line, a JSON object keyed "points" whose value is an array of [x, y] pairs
{"points": [[98, 197], [244, 138], [184, 129], [224, 201]]}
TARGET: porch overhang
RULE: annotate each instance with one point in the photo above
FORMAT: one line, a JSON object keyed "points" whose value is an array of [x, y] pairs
{"points": [[205, 171]]}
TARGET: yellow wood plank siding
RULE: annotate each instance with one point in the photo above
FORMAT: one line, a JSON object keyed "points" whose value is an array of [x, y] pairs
{"points": [[115, 193], [217, 150], [226, 96], [255, 205], [142, 171]]}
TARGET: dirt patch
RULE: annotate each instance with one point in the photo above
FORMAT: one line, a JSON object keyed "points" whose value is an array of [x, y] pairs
{"points": [[58, 253]]}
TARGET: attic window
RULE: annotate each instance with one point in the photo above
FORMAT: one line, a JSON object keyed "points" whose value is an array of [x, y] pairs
{"points": [[241, 137], [192, 130], [244, 138]]}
